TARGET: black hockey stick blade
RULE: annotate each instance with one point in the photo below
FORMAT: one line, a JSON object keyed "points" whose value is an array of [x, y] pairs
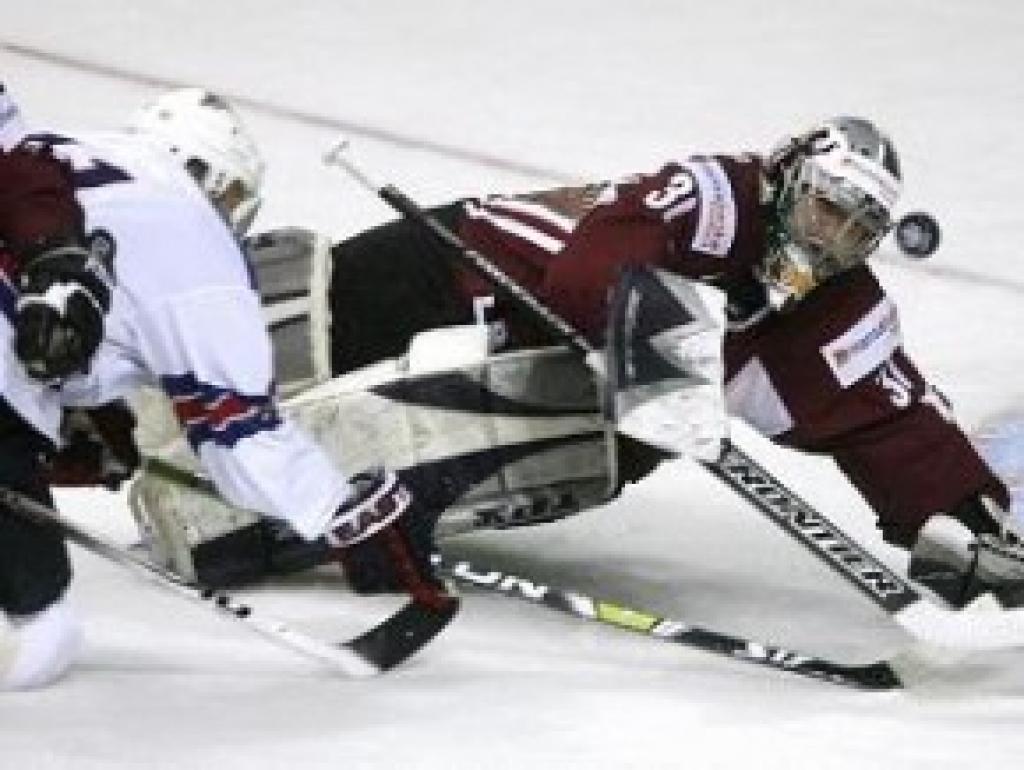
{"points": [[403, 634], [877, 675]]}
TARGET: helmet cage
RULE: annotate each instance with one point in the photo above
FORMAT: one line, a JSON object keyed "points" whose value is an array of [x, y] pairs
{"points": [[838, 223], [838, 186]]}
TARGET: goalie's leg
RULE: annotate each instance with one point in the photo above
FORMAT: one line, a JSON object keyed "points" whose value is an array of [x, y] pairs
{"points": [[387, 284]]}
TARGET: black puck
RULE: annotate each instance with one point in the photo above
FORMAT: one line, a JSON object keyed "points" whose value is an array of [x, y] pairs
{"points": [[918, 234]]}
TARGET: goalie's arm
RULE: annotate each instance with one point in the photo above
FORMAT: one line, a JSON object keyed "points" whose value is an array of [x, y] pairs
{"points": [[914, 460]]}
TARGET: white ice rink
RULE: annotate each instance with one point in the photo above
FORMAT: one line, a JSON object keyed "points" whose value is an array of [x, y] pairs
{"points": [[466, 96]]}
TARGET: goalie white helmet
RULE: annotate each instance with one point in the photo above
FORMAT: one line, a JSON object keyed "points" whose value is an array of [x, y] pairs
{"points": [[836, 188], [207, 135]]}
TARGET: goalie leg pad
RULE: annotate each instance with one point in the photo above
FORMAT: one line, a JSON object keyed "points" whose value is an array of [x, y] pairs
{"points": [[517, 439], [207, 541], [194, 533]]}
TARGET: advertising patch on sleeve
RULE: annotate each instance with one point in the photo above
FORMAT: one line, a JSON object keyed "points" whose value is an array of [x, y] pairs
{"points": [[716, 228], [865, 346]]}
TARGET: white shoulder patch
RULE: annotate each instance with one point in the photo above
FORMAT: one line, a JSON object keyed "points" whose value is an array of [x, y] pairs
{"points": [[716, 227], [866, 345]]}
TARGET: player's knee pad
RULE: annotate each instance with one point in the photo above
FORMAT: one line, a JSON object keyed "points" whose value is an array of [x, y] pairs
{"points": [[37, 649]]}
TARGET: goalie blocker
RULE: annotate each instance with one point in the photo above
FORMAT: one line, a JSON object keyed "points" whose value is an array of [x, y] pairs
{"points": [[488, 440]]}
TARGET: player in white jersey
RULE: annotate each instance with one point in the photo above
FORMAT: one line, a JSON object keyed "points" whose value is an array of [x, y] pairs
{"points": [[12, 127], [184, 317], [41, 239]]}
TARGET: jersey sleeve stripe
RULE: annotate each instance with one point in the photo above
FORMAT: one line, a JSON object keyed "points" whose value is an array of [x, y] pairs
{"points": [[209, 413], [516, 228], [534, 211]]}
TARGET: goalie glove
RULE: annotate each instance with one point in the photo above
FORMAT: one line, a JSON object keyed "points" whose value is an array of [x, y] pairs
{"points": [[664, 370], [973, 549], [63, 299]]}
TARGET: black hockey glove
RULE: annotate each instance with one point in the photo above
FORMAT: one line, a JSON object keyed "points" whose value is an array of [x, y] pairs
{"points": [[397, 556], [59, 322], [99, 448]]}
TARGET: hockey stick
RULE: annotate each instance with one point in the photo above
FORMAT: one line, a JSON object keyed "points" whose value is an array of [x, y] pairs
{"points": [[879, 675], [378, 649], [895, 595], [876, 676]]}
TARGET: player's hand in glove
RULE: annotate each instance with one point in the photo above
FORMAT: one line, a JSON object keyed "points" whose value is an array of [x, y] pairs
{"points": [[377, 541], [975, 548], [63, 299], [99, 448]]}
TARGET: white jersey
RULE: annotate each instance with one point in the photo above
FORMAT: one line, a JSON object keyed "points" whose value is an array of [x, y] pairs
{"points": [[12, 127], [185, 317]]}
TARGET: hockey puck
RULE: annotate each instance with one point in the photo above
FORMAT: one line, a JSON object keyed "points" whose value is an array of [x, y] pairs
{"points": [[917, 234]]}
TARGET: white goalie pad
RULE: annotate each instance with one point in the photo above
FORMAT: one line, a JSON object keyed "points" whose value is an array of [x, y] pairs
{"points": [[513, 439], [517, 438], [292, 268], [664, 363]]}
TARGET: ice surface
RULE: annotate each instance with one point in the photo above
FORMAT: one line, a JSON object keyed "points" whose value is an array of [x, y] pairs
{"points": [[461, 96]]}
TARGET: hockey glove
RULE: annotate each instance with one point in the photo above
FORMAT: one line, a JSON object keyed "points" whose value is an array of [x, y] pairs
{"points": [[99, 448], [975, 548], [396, 554], [59, 323]]}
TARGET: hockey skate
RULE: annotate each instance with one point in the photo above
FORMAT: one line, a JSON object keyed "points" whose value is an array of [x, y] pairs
{"points": [[959, 566]]}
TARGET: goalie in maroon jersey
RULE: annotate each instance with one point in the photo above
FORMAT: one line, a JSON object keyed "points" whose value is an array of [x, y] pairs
{"points": [[813, 351]]}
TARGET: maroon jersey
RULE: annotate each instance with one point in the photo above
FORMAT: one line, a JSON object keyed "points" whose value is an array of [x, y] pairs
{"points": [[830, 376], [699, 218]]}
